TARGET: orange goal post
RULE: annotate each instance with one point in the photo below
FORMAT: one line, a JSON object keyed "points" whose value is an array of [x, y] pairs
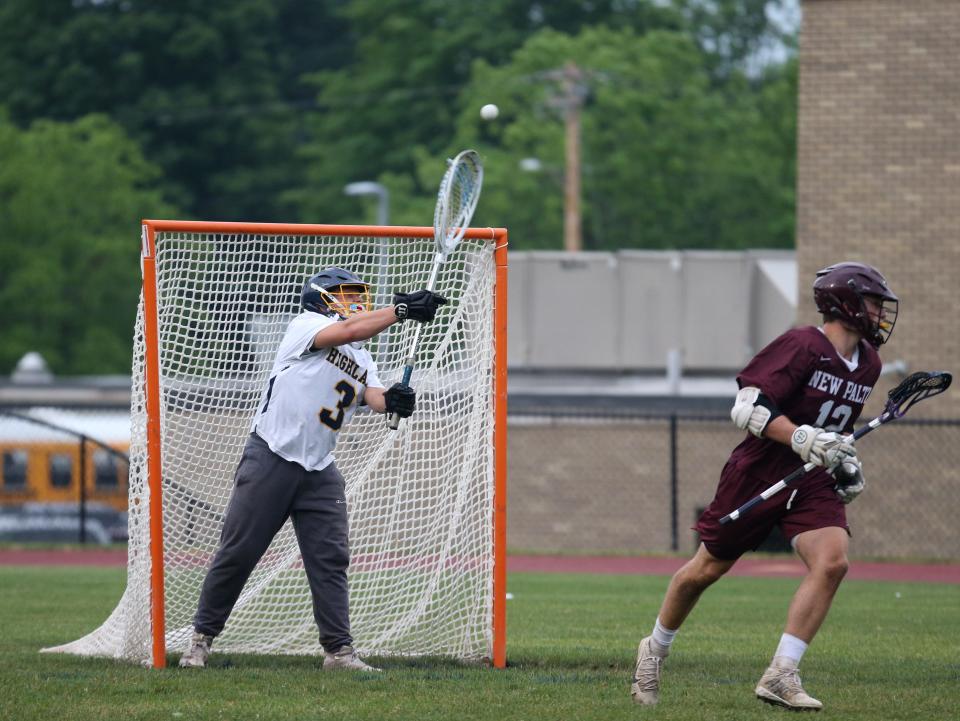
{"points": [[427, 503]]}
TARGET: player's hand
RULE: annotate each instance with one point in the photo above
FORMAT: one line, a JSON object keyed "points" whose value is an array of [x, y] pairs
{"points": [[749, 412], [419, 305], [849, 477], [400, 399], [820, 447]]}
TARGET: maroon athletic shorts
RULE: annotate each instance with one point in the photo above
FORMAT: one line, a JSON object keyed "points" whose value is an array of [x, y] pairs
{"points": [[814, 505]]}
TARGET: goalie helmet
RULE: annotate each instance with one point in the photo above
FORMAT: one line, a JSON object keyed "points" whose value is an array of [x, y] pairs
{"points": [[839, 292], [335, 292]]}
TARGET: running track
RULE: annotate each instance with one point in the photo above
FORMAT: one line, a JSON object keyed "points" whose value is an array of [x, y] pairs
{"points": [[640, 565]]}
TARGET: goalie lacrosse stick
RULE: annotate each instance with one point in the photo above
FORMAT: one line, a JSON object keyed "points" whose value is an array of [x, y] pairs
{"points": [[456, 201], [913, 389]]}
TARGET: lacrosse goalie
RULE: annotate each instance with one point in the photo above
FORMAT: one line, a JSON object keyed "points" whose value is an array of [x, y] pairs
{"points": [[320, 375]]}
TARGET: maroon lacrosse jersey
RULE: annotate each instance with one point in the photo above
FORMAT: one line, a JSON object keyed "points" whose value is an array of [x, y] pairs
{"points": [[805, 377]]}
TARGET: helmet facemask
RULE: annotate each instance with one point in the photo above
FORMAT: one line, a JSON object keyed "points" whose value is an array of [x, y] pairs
{"points": [[881, 325], [875, 326], [346, 299]]}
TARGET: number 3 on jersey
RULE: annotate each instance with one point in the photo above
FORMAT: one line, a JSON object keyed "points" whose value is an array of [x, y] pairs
{"points": [[334, 418]]}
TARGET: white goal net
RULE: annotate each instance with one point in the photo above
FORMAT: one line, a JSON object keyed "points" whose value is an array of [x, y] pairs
{"points": [[420, 499]]}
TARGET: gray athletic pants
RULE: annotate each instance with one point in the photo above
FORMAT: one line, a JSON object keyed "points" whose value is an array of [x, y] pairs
{"points": [[267, 490]]}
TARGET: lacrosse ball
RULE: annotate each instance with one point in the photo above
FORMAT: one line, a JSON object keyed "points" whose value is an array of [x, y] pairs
{"points": [[489, 111]]}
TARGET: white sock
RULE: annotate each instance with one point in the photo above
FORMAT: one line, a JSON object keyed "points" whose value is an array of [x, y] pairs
{"points": [[663, 636], [791, 647]]}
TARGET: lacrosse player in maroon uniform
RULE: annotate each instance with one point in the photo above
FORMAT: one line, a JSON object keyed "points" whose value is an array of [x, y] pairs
{"points": [[798, 399]]}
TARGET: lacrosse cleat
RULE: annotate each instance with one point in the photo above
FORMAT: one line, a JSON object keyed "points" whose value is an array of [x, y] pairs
{"points": [[645, 687], [196, 656], [780, 685], [345, 659]]}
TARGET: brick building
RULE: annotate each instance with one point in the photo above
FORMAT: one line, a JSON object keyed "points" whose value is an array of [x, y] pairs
{"points": [[879, 165], [878, 182]]}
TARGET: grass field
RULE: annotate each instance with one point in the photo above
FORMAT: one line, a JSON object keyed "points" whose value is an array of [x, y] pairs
{"points": [[888, 651]]}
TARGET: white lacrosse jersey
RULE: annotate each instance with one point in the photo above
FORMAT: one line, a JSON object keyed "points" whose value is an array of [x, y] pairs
{"points": [[312, 394]]}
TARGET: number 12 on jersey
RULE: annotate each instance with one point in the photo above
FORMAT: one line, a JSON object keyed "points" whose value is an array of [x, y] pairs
{"points": [[841, 414]]}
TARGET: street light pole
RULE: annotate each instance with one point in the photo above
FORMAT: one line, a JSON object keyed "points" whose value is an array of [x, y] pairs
{"points": [[369, 187]]}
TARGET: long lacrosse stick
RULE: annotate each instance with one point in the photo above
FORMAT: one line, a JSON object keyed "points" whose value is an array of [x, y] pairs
{"points": [[913, 389], [456, 201]]}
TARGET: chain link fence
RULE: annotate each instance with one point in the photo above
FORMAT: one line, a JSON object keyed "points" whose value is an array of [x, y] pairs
{"points": [[588, 481], [628, 482]]}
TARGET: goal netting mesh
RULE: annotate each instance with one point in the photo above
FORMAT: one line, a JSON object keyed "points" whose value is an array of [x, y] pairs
{"points": [[420, 498]]}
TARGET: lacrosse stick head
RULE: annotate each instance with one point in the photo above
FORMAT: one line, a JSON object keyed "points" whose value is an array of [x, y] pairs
{"points": [[916, 387], [456, 200]]}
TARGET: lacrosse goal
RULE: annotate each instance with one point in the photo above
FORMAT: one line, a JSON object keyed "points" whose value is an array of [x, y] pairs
{"points": [[427, 503]]}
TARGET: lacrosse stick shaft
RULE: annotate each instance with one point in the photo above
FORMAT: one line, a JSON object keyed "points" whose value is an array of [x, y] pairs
{"points": [[803, 470], [411, 359], [456, 201]]}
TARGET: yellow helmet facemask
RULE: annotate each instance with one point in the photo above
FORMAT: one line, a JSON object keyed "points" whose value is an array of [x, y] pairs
{"points": [[347, 299]]}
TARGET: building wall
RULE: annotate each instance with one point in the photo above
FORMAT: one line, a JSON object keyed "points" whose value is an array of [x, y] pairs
{"points": [[631, 310], [879, 166]]}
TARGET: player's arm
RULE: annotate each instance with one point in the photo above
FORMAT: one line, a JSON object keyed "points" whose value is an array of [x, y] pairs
{"points": [[373, 398], [780, 429], [833, 452], [399, 399], [421, 305], [358, 327], [755, 412]]}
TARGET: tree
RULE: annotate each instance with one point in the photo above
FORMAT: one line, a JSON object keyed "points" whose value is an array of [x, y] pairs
{"points": [[399, 93], [670, 160], [733, 32], [72, 194], [209, 88]]}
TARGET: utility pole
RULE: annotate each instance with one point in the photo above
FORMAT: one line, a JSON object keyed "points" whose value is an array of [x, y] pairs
{"points": [[574, 92], [574, 89]]}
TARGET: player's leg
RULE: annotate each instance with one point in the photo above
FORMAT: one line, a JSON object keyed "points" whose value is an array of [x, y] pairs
{"points": [[685, 589], [721, 546], [259, 505], [320, 520], [687, 585], [824, 552]]}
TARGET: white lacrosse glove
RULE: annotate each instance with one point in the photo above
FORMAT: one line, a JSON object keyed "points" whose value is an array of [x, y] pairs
{"points": [[749, 413], [849, 477], [820, 447]]}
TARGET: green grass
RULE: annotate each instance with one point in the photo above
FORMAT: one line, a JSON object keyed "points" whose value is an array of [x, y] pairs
{"points": [[571, 649]]}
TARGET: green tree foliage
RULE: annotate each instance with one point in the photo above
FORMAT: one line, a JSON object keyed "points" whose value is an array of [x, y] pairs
{"points": [[265, 109], [71, 195], [399, 93], [683, 144], [669, 159], [210, 88], [731, 32]]}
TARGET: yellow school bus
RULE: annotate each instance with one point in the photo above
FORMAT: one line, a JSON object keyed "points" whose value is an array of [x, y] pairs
{"points": [[40, 458]]}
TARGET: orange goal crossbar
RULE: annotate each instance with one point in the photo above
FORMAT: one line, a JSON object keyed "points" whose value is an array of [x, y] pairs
{"points": [[152, 398], [367, 231]]}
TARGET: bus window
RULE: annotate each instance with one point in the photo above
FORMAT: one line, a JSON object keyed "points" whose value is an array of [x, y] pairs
{"points": [[14, 470], [106, 473], [61, 470]]}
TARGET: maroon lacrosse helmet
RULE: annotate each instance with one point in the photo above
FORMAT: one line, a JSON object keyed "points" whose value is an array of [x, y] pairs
{"points": [[839, 292]]}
